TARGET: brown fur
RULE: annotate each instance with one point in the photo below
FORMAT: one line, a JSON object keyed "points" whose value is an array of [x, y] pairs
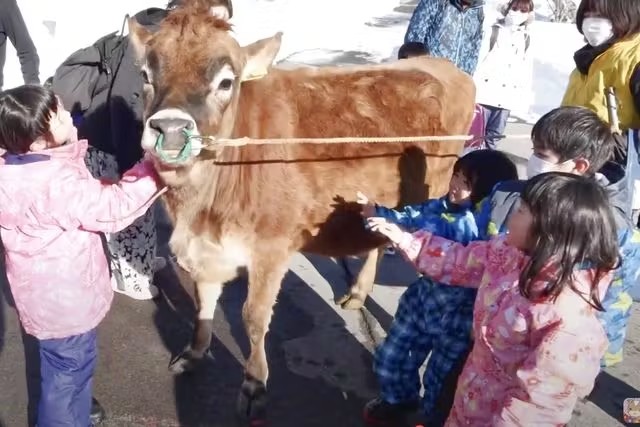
{"points": [[254, 206]]}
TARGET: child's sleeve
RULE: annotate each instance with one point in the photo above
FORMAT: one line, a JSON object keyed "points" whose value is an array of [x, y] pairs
{"points": [[483, 218], [444, 260], [412, 217], [476, 43], [423, 16], [561, 368], [99, 206]]}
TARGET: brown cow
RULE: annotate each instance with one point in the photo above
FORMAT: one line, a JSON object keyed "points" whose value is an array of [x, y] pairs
{"points": [[254, 206]]}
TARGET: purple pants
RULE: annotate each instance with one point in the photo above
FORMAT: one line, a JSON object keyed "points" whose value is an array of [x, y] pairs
{"points": [[66, 368]]}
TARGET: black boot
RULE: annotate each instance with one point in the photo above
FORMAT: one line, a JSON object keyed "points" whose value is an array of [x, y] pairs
{"points": [[378, 413], [97, 413]]}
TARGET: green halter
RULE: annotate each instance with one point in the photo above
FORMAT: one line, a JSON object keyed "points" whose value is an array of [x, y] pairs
{"points": [[184, 153]]}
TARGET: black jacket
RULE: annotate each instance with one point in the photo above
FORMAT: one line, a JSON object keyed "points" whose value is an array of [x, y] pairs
{"points": [[12, 27], [102, 85]]}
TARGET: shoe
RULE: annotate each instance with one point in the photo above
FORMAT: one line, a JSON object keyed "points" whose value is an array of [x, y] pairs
{"points": [[97, 413], [140, 293], [378, 413], [158, 264]]}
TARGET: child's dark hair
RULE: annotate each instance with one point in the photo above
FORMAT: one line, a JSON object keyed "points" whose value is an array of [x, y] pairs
{"points": [[624, 15], [483, 169], [572, 225], [411, 49], [573, 132], [25, 112]]}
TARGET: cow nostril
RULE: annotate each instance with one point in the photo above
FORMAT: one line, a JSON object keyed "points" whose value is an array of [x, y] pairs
{"points": [[170, 125], [155, 124]]}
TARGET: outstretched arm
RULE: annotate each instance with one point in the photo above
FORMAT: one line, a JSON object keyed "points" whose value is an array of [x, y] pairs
{"points": [[96, 205], [438, 258]]}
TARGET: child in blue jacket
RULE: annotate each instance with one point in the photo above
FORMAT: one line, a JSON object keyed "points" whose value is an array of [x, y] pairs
{"points": [[432, 318], [450, 29]]}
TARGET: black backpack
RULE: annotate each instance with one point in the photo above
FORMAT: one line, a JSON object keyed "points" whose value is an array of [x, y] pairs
{"points": [[88, 72], [101, 86]]}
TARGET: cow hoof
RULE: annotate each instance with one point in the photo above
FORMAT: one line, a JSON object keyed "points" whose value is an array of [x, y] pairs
{"points": [[188, 361], [252, 403], [352, 302]]}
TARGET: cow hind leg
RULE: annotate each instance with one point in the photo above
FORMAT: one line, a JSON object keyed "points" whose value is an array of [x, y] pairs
{"points": [[207, 293], [265, 279], [354, 299]]}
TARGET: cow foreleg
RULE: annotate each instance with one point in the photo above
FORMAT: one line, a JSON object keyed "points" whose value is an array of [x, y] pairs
{"points": [[191, 357], [265, 278], [363, 286]]}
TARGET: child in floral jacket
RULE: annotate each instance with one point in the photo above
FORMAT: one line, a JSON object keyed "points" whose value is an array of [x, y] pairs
{"points": [[432, 318], [537, 340]]}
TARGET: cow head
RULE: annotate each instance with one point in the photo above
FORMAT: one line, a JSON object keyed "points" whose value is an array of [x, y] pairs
{"points": [[193, 69]]}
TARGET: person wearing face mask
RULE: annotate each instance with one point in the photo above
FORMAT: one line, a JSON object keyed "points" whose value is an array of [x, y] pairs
{"points": [[504, 75], [611, 58], [574, 140]]}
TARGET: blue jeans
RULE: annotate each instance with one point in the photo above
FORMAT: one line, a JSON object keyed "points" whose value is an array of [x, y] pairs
{"points": [[495, 120], [66, 367]]}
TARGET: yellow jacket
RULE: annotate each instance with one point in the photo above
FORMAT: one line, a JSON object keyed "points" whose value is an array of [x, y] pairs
{"points": [[616, 67]]}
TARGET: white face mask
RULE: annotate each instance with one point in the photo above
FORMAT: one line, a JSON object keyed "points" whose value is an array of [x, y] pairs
{"points": [[536, 166], [515, 18], [597, 30]]}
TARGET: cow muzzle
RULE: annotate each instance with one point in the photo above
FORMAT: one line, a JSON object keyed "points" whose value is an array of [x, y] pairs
{"points": [[172, 136], [173, 143]]}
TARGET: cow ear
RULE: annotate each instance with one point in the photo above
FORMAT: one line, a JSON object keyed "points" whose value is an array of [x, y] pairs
{"points": [[221, 12], [260, 56], [139, 36]]}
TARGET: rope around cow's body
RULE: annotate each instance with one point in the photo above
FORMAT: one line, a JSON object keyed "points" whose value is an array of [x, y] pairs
{"points": [[213, 143]]}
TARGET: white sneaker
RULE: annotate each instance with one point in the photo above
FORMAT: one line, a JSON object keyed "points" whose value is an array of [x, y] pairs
{"points": [[139, 293], [158, 264]]}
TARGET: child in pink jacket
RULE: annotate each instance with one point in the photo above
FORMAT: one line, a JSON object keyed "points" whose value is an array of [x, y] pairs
{"points": [[538, 342], [51, 211]]}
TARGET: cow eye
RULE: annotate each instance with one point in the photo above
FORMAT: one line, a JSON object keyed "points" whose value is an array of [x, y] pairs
{"points": [[225, 84]]}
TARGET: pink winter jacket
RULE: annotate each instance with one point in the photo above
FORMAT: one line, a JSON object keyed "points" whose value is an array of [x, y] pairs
{"points": [[51, 210]]}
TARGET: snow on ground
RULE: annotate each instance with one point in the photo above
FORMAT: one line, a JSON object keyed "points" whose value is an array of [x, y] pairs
{"points": [[315, 32]]}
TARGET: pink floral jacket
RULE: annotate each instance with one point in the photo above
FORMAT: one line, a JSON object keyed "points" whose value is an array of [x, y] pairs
{"points": [[531, 361], [51, 209]]}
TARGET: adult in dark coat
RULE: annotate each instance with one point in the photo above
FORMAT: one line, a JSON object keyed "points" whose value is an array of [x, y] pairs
{"points": [[108, 113]]}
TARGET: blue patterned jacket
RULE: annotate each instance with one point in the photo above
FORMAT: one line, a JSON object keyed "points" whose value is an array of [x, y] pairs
{"points": [[450, 30], [438, 216]]}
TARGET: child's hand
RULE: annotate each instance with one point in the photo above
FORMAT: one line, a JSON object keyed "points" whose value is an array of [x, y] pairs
{"points": [[368, 208], [386, 228]]}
